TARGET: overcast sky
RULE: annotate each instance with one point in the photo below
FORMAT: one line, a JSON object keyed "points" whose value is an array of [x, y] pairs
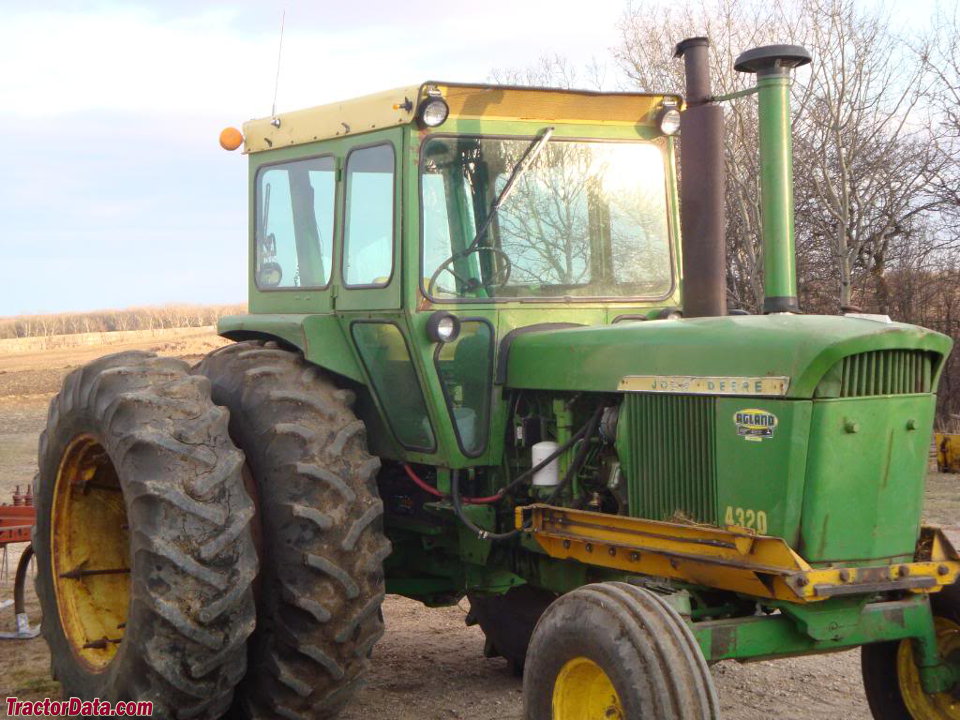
{"points": [[116, 192]]}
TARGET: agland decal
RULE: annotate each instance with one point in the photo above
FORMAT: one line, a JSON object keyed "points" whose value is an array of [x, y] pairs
{"points": [[754, 424]]}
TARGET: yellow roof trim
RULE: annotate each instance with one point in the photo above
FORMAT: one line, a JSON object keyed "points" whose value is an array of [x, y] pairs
{"points": [[371, 112], [492, 102], [577, 107]]}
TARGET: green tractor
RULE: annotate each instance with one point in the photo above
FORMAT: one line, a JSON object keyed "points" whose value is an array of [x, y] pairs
{"points": [[480, 362]]}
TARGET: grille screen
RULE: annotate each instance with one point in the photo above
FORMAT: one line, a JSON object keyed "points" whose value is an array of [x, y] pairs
{"points": [[886, 372], [670, 467]]}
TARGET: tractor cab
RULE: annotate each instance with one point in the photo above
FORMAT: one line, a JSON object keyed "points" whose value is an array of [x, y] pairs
{"points": [[429, 223]]}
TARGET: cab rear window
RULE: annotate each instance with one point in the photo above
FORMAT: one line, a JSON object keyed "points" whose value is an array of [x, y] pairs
{"points": [[294, 224]]}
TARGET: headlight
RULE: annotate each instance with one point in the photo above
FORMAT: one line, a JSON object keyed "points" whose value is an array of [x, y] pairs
{"points": [[443, 327], [433, 111], [668, 120]]}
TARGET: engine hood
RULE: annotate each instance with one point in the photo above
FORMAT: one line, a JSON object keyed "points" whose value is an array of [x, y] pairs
{"points": [[801, 348]]}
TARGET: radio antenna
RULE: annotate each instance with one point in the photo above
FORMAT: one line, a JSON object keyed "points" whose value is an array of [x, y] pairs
{"points": [[276, 84]]}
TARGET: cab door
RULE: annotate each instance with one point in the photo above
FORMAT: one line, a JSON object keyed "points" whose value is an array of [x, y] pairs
{"points": [[368, 296], [369, 268]]}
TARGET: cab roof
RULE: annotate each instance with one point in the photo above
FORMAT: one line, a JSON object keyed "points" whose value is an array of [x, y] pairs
{"points": [[500, 102]]}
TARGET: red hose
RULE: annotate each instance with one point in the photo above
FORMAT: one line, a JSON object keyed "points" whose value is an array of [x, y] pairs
{"points": [[436, 493], [420, 483]]}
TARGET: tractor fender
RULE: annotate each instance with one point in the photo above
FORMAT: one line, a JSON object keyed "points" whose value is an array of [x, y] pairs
{"points": [[319, 337]]}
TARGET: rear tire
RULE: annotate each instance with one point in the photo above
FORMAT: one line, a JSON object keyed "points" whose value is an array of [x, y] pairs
{"points": [[320, 522], [892, 686], [142, 539], [613, 650]]}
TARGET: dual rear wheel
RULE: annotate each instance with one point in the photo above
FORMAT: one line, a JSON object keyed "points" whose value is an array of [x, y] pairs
{"points": [[150, 520], [144, 555], [320, 524]]}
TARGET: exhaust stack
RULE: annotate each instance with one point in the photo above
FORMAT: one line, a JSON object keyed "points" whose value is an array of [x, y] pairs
{"points": [[773, 65], [702, 188]]}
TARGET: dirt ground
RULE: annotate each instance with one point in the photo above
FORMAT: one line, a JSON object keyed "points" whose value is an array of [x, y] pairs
{"points": [[429, 665]]}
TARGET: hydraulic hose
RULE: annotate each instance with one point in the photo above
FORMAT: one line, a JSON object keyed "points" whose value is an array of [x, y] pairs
{"points": [[458, 509], [517, 481], [583, 434], [418, 481], [578, 459]]}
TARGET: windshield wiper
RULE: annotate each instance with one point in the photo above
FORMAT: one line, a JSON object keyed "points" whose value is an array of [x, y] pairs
{"points": [[531, 153]]}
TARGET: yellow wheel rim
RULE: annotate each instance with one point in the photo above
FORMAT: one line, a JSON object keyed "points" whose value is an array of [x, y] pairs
{"points": [[90, 553], [583, 691], [923, 706]]}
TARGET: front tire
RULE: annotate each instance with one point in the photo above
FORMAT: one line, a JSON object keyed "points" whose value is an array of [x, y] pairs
{"points": [[890, 676], [322, 541], [613, 651], [142, 539]]}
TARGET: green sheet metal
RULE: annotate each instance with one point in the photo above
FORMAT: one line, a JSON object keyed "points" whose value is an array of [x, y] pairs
{"points": [[801, 347], [319, 337], [865, 470]]}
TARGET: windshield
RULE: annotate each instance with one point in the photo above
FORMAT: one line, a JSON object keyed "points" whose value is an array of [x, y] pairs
{"points": [[585, 219]]}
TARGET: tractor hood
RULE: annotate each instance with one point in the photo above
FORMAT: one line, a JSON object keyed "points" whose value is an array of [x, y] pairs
{"points": [[801, 348]]}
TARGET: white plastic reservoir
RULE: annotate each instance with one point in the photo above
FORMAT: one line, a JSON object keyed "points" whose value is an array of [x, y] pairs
{"points": [[548, 476]]}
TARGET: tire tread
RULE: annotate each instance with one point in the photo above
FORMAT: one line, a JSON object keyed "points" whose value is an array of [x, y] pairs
{"points": [[191, 550], [306, 450]]}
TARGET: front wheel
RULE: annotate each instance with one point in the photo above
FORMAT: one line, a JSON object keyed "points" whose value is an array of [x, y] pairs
{"points": [[890, 676], [613, 651]]}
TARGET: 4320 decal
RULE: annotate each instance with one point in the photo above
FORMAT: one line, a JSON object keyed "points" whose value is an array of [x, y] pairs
{"points": [[746, 517]]}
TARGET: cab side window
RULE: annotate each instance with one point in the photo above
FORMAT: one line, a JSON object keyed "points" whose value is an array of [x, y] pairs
{"points": [[295, 211], [368, 231]]}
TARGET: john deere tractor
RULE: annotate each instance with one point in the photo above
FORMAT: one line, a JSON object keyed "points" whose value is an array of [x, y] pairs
{"points": [[489, 355]]}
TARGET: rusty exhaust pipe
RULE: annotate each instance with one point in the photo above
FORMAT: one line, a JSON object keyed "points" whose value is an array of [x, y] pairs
{"points": [[702, 188]]}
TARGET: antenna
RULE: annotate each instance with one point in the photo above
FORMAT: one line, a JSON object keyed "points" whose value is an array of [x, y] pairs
{"points": [[276, 84]]}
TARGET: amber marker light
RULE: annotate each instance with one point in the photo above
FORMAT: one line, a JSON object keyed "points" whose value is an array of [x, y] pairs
{"points": [[231, 138]]}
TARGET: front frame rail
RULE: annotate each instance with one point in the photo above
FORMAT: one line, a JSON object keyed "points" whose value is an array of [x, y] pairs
{"points": [[731, 558]]}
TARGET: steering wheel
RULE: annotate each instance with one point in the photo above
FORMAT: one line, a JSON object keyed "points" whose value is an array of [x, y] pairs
{"points": [[501, 278]]}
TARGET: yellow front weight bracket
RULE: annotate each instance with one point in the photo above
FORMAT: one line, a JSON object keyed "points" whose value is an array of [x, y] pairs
{"points": [[732, 558]]}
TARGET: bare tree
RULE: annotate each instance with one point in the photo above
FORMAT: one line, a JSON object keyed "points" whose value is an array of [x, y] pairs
{"points": [[645, 55], [865, 161], [552, 71], [109, 320], [863, 143], [941, 58]]}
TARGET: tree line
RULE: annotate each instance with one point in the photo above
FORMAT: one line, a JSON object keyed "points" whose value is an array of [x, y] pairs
{"points": [[142, 318], [876, 142]]}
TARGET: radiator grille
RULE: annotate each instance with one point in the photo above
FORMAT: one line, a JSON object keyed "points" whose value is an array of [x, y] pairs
{"points": [[670, 464], [886, 372]]}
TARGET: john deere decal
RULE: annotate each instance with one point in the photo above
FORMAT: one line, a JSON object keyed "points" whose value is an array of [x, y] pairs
{"points": [[755, 425]]}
